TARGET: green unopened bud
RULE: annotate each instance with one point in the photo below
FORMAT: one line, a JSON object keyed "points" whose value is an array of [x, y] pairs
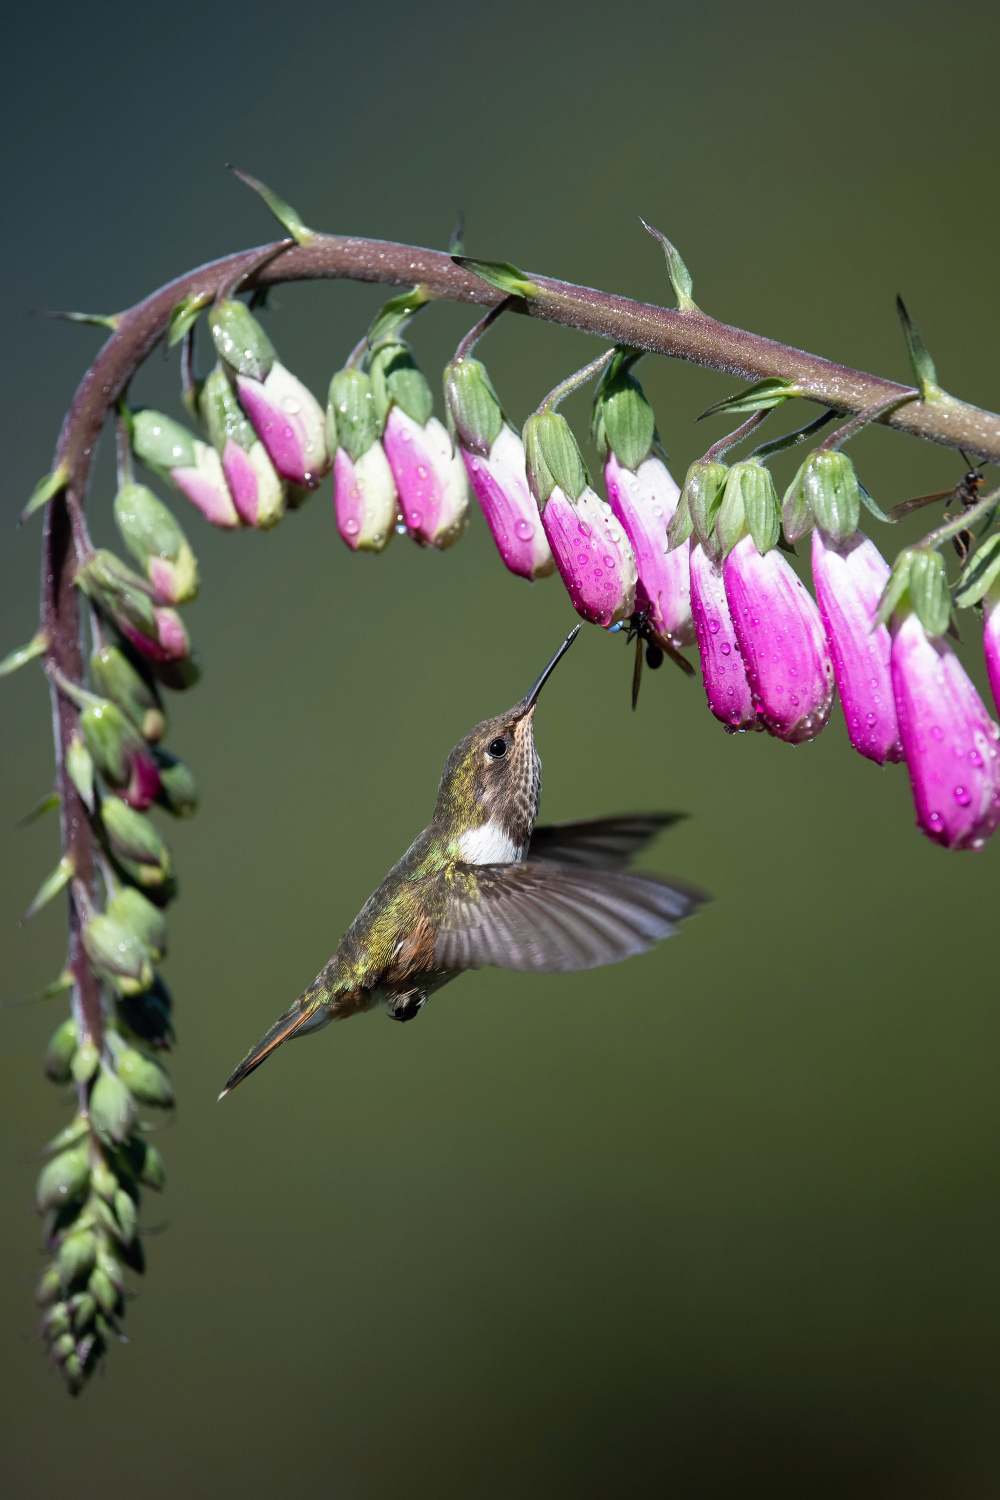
{"points": [[147, 1080], [178, 789], [84, 1308], [76, 1257], [474, 410], [60, 1052], [161, 443], [85, 1063], [623, 420], [153, 1172], [104, 1292], [552, 457], [49, 1288], [57, 1320], [111, 739], [929, 592], [116, 949], [239, 339], [145, 921], [702, 492], [104, 1181], [64, 1347], [63, 1179], [116, 678], [351, 418], [112, 1109], [126, 1214], [125, 596], [133, 837], [72, 1371], [80, 769], [157, 542], [829, 486], [396, 380]]}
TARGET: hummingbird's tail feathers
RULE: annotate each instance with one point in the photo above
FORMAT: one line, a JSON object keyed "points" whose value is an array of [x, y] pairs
{"points": [[554, 918], [305, 1015], [600, 843]]}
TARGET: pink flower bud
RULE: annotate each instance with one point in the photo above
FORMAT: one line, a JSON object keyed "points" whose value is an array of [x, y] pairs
{"points": [[644, 500], [289, 422], [593, 556], [991, 639], [948, 737], [257, 491], [501, 487], [726, 684], [430, 477], [204, 484], [782, 640], [144, 782], [849, 578], [171, 642], [364, 498]]}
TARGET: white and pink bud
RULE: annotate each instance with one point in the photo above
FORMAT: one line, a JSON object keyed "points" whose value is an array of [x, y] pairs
{"points": [[727, 687], [364, 490], [190, 465], [430, 479], [258, 493], [948, 737], [644, 500], [991, 639], [494, 460], [781, 638], [849, 578]]}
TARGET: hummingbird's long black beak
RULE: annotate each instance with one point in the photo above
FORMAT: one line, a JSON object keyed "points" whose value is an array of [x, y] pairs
{"points": [[529, 701]]}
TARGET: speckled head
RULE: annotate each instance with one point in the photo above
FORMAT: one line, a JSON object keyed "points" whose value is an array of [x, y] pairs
{"points": [[492, 782]]}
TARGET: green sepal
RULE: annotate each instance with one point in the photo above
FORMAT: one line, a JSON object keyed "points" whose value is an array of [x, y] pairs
{"points": [[222, 414], [125, 1213], [896, 588], [924, 372], [552, 457], [681, 524], [759, 397], [146, 1079], [397, 311], [59, 1055], [184, 315], [979, 574], [116, 678], [397, 380], [796, 517], [51, 886], [352, 422], [106, 580], [760, 505], [45, 490], [86, 1061], [80, 769], [829, 487], [730, 523], [622, 419], [929, 592], [37, 646], [161, 443], [872, 506], [48, 804], [474, 410], [703, 489], [68, 1136], [680, 276], [132, 836], [153, 1173], [63, 1179], [76, 1257], [239, 340], [117, 948], [112, 1109], [104, 1291], [178, 790], [501, 274], [285, 214], [93, 320]]}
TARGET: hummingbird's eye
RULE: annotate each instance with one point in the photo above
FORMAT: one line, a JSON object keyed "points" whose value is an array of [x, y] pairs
{"points": [[497, 748]]}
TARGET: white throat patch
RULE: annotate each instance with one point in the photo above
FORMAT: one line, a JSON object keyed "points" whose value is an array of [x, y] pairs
{"points": [[489, 845]]}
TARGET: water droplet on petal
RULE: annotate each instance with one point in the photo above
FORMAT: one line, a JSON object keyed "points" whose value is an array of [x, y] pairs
{"points": [[962, 796]]}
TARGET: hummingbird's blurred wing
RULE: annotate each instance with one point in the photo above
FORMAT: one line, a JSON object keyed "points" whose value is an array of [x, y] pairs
{"points": [[600, 843], [551, 918]]}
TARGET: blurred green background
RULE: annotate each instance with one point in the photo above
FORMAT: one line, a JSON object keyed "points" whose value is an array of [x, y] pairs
{"points": [[723, 1220]]}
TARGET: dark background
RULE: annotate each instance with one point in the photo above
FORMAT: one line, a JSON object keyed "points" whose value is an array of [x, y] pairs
{"points": [[721, 1221]]}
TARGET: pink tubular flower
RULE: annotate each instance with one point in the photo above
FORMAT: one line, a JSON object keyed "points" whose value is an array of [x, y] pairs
{"points": [[364, 498], [257, 492], [171, 642], [430, 477], [781, 637], [948, 737], [849, 578], [726, 684], [991, 639], [289, 422], [593, 556], [644, 500], [501, 487], [144, 783]]}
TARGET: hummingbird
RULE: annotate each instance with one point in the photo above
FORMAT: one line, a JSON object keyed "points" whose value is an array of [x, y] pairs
{"points": [[483, 885]]}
